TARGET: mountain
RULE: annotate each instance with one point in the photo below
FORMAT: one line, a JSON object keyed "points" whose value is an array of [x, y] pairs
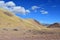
{"points": [[9, 20], [55, 25]]}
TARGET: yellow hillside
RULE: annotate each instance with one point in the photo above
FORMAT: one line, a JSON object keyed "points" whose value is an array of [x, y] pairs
{"points": [[9, 20]]}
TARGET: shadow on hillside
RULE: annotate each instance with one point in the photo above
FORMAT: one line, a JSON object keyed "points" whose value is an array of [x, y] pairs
{"points": [[8, 14]]}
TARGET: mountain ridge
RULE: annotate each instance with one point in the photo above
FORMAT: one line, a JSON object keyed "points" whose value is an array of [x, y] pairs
{"points": [[54, 25]]}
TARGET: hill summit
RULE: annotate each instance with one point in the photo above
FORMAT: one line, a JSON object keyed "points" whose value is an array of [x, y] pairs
{"points": [[55, 25]]}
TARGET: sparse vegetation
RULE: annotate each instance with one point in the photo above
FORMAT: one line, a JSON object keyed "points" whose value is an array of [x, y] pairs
{"points": [[15, 29], [5, 29]]}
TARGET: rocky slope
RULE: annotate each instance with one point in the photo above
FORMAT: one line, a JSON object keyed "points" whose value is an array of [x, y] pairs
{"points": [[55, 25]]}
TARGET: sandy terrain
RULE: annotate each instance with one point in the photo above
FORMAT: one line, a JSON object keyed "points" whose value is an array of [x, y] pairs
{"points": [[11, 34]]}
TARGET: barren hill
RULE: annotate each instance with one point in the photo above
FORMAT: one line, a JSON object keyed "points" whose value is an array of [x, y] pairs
{"points": [[15, 28], [9, 20], [55, 25]]}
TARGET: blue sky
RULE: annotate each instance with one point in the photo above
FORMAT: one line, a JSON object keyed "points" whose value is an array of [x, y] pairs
{"points": [[44, 11]]}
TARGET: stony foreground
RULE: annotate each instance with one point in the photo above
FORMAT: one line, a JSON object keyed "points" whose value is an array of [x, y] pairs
{"points": [[17, 35]]}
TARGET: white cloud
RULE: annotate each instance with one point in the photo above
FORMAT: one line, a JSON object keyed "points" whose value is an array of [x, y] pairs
{"points": [[35, 7], [2, 3], [44, 12], [10, 4], [13, 8], [20, 9], [27, 11]]}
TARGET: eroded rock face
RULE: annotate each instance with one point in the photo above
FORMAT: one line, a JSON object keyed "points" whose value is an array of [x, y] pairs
{"points": [[55, 25]]}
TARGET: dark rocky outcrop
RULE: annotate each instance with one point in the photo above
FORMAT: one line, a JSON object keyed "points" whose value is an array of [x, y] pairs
{"points": [[55, 25]]}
